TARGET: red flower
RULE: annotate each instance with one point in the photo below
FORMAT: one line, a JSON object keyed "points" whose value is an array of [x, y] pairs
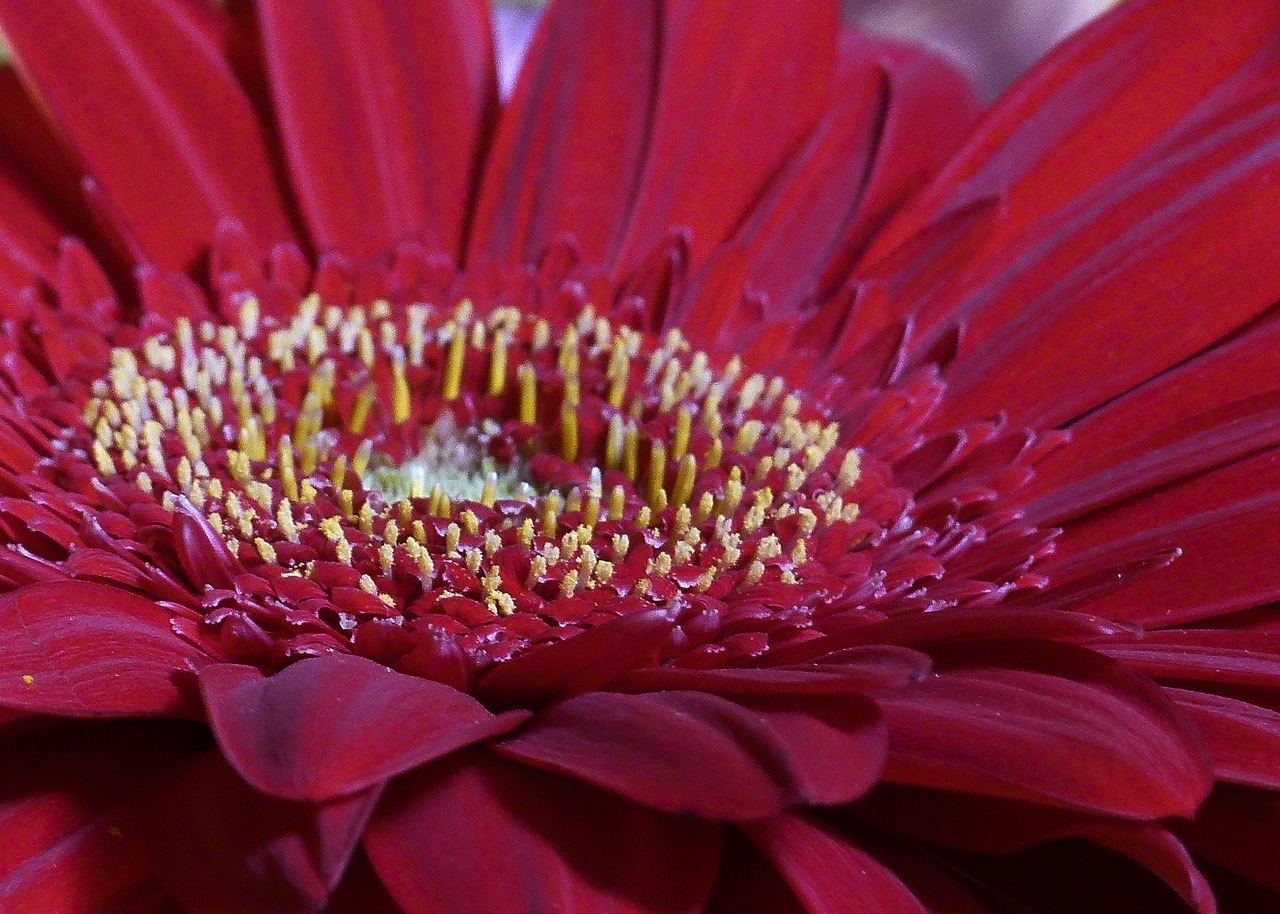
{"points": [[656, 497]]}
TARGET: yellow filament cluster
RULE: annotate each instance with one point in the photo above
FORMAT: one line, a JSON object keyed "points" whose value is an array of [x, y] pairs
{"points": [[199, 417]]}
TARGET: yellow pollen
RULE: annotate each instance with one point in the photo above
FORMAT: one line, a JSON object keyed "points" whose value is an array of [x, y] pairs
{"points": [[400, 401], [537, 571], [360, 411], [266, 550], [360, 461], [686, 475], [498, 365], [453, 363], [850, 470], [569, 432], [528, 394], [285, 521], [470, 522], [748, 436], [680, 440]]}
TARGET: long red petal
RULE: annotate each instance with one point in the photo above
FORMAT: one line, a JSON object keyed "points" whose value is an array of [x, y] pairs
{"points": [[1243, 739], [570, 167], [331, 726], [68, 847], [32, 149], [1131, 77], [828, 874], [1138, 275], [77, 649], [1193, 396], [857, 670], [1217, 521], [384, 111], [475, 835], [689, 752], [178, 148], [741, 85], [1023, 735], [893, 113], [220, 847]]}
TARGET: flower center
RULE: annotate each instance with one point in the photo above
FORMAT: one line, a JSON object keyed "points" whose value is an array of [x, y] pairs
{"points": [[454, 459], [488, 476]]}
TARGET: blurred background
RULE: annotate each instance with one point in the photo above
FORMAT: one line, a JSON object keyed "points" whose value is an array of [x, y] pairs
{"points": [[994, 41]]}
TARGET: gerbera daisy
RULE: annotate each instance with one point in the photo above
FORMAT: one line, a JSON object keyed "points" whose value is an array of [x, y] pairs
{"points": [[725, 479]]}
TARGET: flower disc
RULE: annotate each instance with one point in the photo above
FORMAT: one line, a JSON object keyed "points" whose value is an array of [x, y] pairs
{"points": [[385, 474]]}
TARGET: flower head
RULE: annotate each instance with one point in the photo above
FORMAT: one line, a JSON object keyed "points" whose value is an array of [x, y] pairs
{"points": [[698, 486]]}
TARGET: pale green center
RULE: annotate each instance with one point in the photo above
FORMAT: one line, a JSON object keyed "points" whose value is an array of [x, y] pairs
{"points": [[454, 459]]}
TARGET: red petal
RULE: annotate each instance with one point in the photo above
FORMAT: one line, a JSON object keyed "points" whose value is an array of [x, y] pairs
{"points": [[1220, 521], [63, 800], [930, 631], [590, 75], [580, 664], [835, 744], [1095, 103], [32, 150], [857, 670], [1219, 437], [730, 71], [1243, 739], [178, 148], [334, 725], [1115, 276], [828, 874], [28, 234], [1181, 402], [929, 107], [1030, 736], [83, 650], [893, 113], [1239, 828], [688, 752], [475, 835], [748, 884], [384, 110], [202, 553], [1203, 656], [220, 847], [985, 826]]}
